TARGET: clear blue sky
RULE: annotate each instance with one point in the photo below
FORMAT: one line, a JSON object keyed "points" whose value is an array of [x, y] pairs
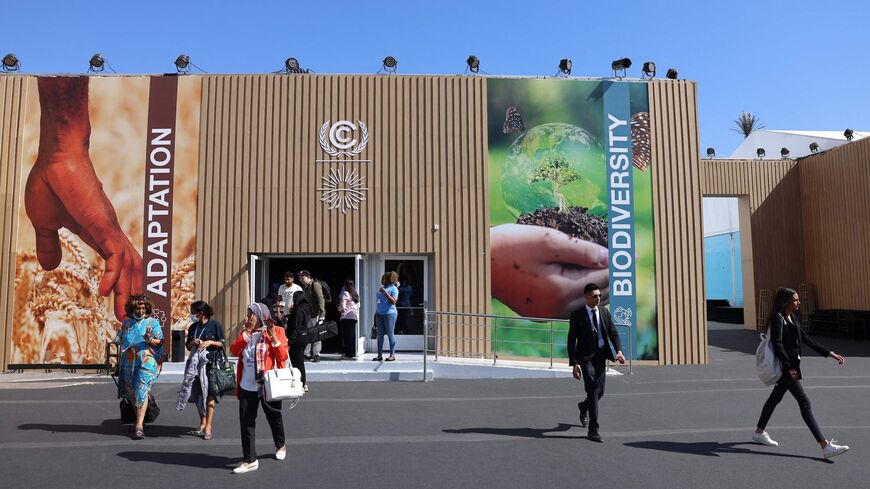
{"points": [[796, 64]]}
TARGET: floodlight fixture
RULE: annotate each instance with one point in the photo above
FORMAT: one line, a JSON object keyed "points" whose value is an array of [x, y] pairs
{"points": [[814, 147], [389, 65], [621, 64], [784, 153], [672, 74], [565, 66], [182, 63], [760, 152], [11, 62], [291, 65], [649, 69], [711, 152], [849, 134], [97, 63], [473, 64]]}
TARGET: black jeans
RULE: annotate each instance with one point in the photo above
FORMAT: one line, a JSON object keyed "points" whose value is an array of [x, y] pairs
{"points": [[248, 404], [297, 354], [348, 337], [794, 386], [594, 375]]}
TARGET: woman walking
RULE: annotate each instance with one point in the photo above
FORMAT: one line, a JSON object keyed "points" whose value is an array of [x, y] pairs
{"points": [[297, 332], [385, 316], [141, 353], [348, 306], [786, 335], [260, 347], [205, 335]]}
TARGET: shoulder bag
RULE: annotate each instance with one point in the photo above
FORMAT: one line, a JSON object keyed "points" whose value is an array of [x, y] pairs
{"points": [[221, 374]]}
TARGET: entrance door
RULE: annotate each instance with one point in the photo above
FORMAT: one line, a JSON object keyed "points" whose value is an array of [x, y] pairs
{"points": [[413, 298], [257, 278]]}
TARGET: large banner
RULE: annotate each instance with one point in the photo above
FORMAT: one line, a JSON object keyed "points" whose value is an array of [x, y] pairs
{"points": [[570, 203], [109, 181]]}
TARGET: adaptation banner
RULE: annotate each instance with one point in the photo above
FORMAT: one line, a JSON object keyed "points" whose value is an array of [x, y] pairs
{"points": [[109, 178], [570, 203]]}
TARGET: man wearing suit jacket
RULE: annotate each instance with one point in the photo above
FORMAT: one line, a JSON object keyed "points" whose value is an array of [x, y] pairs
{"points": [[590, 336]]}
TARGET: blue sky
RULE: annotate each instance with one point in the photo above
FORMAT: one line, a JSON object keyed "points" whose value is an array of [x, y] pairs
{"points": [[796, 64]]}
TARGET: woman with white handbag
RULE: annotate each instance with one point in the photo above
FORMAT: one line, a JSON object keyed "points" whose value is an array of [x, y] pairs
{"points": [[261, 347], [786, 337]]}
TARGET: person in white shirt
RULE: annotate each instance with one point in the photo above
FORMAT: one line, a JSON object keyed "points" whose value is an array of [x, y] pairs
{"points": [[285, 293], [348, 306]]}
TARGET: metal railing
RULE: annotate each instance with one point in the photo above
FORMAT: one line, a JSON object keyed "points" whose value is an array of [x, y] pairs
{"points": [[528, 340]]}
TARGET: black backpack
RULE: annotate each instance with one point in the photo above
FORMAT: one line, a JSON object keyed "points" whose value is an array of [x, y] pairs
{"points": [[327, 292]]}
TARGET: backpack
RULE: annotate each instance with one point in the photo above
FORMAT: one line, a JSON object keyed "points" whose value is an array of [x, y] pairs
{"points": [[767, 366], [327, 292]]}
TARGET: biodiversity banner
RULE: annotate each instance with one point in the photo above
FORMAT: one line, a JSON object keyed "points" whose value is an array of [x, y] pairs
{"points": [[109, 185], [570, 204]]}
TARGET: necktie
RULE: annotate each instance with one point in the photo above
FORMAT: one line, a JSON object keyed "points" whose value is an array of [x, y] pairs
{"points": [[597, 326]]}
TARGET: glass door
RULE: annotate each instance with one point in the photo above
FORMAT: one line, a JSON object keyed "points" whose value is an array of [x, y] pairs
{"points": [[363, 288], [258, 279], [413, 297]]}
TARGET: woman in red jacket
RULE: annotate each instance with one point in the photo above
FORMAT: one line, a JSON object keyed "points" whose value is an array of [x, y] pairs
{"points": [[260, 347]]}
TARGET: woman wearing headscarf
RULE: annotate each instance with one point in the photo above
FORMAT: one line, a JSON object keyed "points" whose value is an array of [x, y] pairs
{"points": [[260, 347], [141, 353]]}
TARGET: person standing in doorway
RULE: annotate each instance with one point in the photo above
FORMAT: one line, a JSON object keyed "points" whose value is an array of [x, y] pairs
{"points": [[297, 333], [590, 335], [348, 306], [786, 335], [386, 314], [314, 293], [285, 293]]}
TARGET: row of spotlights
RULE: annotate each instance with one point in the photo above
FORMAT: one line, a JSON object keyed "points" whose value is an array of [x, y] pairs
{"points": [[784, 152], [182, 65]]}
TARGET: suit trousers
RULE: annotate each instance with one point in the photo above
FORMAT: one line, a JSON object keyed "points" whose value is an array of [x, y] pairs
{"points": [[594, 375], [249, 402]]}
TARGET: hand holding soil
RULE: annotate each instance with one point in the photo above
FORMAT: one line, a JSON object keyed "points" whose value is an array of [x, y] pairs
{"points": [[541, 272]]}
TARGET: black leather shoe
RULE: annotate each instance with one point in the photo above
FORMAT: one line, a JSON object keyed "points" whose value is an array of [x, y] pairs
{"points": [[594, 436], [584, 415]]}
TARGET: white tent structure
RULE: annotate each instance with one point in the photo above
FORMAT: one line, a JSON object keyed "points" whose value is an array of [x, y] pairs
{"points": [[797, 142]]}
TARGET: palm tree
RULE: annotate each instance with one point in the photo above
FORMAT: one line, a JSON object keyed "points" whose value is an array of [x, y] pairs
{"points": [[746, 123]]}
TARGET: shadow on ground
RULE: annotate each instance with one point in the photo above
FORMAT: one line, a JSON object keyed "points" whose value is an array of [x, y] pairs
{"points": [[711, 449], [522, 432], [108, 427], [744, 341], [198, 460]]}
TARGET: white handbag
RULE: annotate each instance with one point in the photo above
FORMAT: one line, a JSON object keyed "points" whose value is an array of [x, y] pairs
{"points": [[283, 383]]}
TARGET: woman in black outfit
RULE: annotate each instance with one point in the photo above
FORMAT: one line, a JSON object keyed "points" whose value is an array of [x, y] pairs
{"points": [[297, 332], [205, 332], [786, 335]]}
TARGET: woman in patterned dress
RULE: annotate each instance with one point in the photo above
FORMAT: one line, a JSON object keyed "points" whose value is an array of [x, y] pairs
{"points": [[141, 350]]}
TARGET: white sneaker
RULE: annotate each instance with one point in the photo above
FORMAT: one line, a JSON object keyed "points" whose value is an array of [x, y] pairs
{"points": [[246, 467], [832, 449], [281, 453], [764, 439]]}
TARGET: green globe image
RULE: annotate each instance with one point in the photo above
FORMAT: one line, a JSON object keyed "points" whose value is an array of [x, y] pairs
{"points": [[555, 165]]}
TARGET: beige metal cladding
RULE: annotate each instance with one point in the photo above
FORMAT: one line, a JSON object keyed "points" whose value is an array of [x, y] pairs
{"points": [[259, 179], [682, 315], [835, 217], [12, 91], [773, 190]]}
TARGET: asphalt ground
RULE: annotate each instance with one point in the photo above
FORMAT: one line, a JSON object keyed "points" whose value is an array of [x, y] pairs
{"points": [[663, 427]]}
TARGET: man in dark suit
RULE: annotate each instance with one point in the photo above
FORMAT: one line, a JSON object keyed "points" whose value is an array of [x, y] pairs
{"points": [[590, 336]]}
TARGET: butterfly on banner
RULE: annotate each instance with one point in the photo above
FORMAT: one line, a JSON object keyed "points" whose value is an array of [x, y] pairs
{"points": [[513, 121]]}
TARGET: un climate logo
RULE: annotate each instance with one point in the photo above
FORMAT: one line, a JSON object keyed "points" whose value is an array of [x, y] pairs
{"points": [[338, 139]]}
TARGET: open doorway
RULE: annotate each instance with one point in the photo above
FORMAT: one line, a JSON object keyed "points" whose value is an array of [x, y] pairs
{"points": [[723, 270], [269, 273]]}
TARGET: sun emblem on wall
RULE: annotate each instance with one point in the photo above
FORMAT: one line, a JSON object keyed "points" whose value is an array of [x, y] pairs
{"points": [[343, 190]]}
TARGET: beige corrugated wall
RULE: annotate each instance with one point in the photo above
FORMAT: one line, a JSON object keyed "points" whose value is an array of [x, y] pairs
{"points": [[12, 97], [427, 141], [835, 217], [774, 193], [682, 315]]}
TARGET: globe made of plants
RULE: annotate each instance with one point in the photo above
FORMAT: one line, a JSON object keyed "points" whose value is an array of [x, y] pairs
{"points": [[555, 165]]}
